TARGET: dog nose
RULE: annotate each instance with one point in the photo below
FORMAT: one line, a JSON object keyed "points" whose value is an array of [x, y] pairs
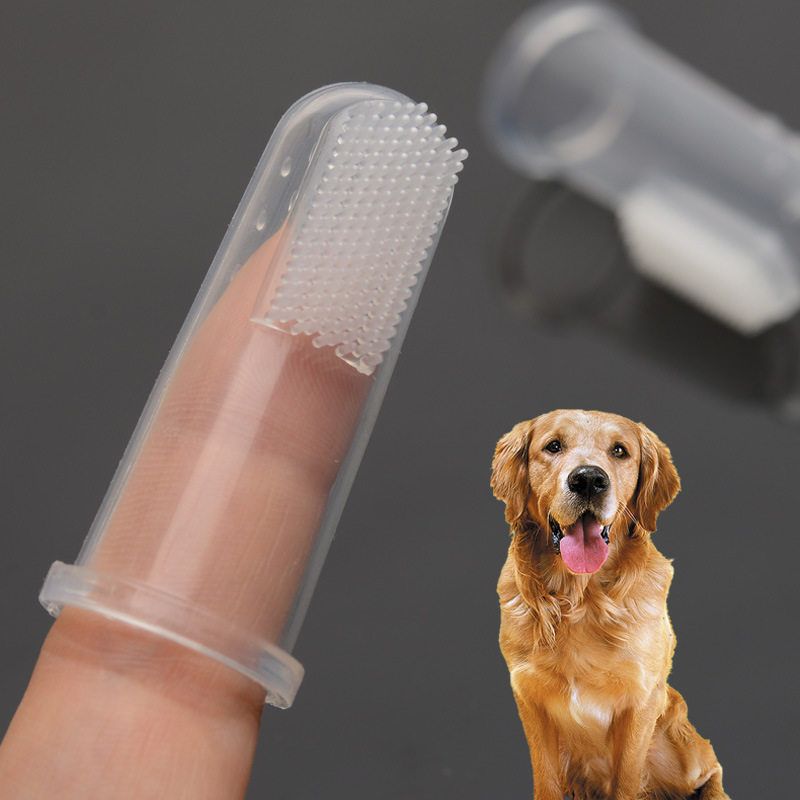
{"points": [[587, 481]]}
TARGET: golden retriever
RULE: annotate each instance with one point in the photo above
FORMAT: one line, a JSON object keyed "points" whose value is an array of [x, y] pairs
{"points": [[584, 624]]}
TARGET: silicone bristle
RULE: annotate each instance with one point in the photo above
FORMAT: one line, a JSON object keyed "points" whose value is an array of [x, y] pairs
{"points": [[365, 232]]}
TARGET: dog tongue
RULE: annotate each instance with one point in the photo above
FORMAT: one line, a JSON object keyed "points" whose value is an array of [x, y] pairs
{"points": [[582, 546]]}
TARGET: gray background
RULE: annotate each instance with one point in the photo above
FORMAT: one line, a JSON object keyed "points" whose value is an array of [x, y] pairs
{"points": [[129, 132]]}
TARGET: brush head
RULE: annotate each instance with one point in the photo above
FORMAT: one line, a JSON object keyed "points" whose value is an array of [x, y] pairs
{"points": [[364, 227], [725, 262]]}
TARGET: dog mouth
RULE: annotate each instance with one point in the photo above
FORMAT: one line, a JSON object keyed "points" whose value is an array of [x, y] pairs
{"points": [[583, 546]]}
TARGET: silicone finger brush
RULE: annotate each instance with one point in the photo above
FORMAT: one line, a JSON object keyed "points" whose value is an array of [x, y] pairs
{"points": [[706, 188], [219, 517]]}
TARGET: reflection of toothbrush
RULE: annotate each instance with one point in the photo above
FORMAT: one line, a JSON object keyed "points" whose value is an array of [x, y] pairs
{"points": [[219, 518]]}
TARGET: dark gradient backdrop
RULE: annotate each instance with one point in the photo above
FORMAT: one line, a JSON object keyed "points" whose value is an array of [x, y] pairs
{"points": [[129, 132]]}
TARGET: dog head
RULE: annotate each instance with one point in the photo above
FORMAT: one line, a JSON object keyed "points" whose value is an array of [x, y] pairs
{"points": [[584, 479]]}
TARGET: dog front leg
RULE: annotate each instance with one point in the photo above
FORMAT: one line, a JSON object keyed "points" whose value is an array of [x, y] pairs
{"points": [[542, 739], [631, 735]]}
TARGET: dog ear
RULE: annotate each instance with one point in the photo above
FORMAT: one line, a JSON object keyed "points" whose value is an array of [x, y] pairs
{"points": [[510, 482], [658, 479]]}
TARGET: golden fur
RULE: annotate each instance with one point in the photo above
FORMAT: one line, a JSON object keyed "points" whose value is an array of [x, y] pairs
{"points": [[589, 654]]}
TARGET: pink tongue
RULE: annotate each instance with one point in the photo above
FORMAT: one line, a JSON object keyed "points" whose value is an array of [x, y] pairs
{"points": [[582, 547]]}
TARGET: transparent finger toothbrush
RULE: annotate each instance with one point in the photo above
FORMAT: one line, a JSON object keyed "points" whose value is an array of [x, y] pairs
{"points": [[220, 515]]}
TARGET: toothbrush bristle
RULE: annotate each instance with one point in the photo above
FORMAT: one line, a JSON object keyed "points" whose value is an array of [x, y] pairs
{"points": [[365, 234]]}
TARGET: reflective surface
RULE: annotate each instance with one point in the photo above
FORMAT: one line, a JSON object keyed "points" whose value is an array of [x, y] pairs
{"points": [[135, 130], [563, 264]]}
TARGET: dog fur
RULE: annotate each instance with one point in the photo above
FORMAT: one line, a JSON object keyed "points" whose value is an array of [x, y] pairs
{"points": [[589, 654]]}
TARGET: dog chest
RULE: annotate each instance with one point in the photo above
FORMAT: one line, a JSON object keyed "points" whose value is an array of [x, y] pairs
{"points": [[585, 680], [589, 708]]}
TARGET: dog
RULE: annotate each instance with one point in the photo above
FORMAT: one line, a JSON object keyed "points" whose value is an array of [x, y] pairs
{"points": [[584, 625]]}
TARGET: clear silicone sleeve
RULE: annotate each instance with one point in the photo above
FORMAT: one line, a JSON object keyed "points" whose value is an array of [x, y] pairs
{"points": [[707, 189], [220, 515]]}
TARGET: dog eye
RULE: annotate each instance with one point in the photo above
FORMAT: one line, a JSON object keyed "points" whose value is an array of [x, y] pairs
{"points": [[619, 451], [553, 447]]}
